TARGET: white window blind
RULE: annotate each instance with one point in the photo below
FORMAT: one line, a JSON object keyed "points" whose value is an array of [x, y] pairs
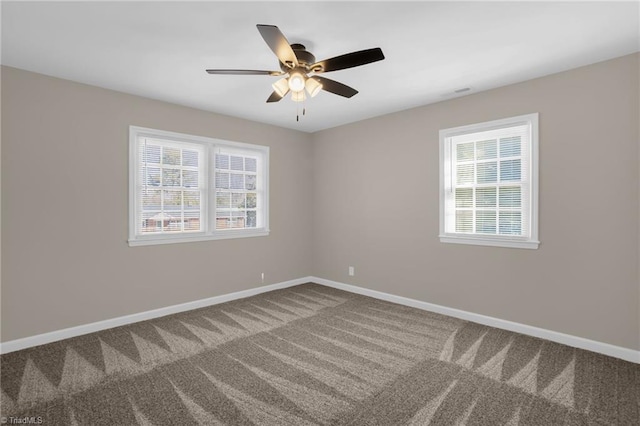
{"points": [[190, 188], [489, 183], [170, 186], [238, 190]]}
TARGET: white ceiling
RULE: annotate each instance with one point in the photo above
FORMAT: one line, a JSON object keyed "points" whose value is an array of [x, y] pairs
{"points": [[161, 49]]}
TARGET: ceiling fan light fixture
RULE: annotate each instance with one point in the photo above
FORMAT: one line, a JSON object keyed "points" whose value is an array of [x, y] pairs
{"points": [[313, 86], [296, 63], [297, 81], [281, 87], [298, 96]]}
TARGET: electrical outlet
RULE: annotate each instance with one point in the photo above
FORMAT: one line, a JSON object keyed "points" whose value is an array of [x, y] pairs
{"points": [[352, 271]]}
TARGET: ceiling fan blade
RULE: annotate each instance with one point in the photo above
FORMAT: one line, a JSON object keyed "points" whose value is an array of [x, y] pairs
{"points": [[335, 87], [349, 60], [245, 72], [279, 44], [275, 97]]}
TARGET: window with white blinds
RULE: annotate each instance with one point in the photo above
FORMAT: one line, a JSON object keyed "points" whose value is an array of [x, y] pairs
{"points": [[238, 193], [488, 183], [189, 188]]}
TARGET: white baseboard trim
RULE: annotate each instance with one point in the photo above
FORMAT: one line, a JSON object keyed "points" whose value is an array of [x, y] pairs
{"points": [[54, 336], [554, 336]]}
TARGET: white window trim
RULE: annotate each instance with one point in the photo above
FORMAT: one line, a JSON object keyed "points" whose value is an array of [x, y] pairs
{"points": [[530, 242], [208, 205]]}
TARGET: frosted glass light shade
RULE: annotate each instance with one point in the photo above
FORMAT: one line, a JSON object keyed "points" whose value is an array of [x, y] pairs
{"points": [[313, 86], [296, 82], [298, 96], [281, 86]]}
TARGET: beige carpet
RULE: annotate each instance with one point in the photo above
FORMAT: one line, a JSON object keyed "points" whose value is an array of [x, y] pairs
{"points": [[312, 355]]}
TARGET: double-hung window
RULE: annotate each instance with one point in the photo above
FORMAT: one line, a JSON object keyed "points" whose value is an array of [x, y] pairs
{"points": [[189, 188], [489, 183]]}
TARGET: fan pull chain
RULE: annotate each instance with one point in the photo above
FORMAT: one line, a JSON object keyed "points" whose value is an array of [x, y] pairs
{"points": [[304, 110]]}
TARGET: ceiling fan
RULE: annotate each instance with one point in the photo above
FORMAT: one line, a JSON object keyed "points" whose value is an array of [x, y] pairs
{"points": [[299, 68]]}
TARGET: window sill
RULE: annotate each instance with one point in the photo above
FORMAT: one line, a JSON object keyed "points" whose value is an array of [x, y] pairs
{"points": [[488, 241], [148, 240]]}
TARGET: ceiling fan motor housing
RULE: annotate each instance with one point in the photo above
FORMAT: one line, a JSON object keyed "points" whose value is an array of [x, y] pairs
{"points": [[305, 58]]}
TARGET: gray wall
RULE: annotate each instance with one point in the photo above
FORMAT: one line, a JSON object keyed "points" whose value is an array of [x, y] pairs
{"points": [[364, 194], [65, 198], [376, 207]]}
